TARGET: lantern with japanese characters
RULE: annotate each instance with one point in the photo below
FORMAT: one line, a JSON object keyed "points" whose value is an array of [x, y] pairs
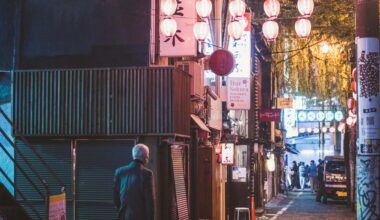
{"points": [[204, 8], [305, 7], [303, 27], [201, 30], [168, 27], [272, 8], [270, 30], [237, 8]]}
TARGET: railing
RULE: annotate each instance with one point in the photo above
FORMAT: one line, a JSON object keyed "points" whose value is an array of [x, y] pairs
{"points": [[45, 193]]}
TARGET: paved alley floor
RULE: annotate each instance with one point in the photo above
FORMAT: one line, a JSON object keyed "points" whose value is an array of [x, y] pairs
{"points": [[301, 205]]}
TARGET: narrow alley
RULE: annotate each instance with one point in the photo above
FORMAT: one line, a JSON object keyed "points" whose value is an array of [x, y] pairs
{"points": [[301, 205]]}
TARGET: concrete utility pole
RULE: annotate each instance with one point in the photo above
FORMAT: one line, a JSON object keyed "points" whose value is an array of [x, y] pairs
{"points": [[368, 143]]}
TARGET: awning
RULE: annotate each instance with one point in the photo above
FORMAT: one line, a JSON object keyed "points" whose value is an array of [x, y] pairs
{"points": [[199, 122], [291, 148]]}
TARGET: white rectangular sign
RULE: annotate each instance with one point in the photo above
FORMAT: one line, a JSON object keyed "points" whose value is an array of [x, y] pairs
{"points": [[238, 93], [368, 95], [227, 153], [183, 43]]}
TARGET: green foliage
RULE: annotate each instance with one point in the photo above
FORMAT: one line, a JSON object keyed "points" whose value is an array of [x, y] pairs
{"points": [[301, 68]]}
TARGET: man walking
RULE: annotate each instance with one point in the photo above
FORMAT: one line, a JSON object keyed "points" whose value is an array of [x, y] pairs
{"points": [[321, 185], [133, 187], [312, 172]]}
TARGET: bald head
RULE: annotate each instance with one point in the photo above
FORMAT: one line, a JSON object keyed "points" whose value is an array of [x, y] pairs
{"points": [[141, 152]]}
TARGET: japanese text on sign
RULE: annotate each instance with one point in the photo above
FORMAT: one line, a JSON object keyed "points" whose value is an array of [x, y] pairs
{"points": [[227, 153]]}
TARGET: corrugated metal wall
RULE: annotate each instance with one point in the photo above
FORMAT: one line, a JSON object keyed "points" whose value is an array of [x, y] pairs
{"points": [[87, 102]]}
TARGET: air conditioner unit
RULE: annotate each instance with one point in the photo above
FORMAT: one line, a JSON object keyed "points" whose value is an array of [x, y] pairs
{"points": [[197, 80]]}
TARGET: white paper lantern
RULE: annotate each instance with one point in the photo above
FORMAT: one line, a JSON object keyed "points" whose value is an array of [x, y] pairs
{"points": [[201, 30], [168, 27], [305, 7], [324, 129], [237, 8], [204, 8], [272, 8], [332, 129], [270, 30], [301, 130], [235, 30], [168, 7], [309, 130], [316, 130], [303, 27]]}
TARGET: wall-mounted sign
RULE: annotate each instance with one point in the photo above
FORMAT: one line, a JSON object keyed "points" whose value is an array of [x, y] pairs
{"points": [[313, 115], [227, 153], [268, 115], [241, 50], [320, 115], [238, 93], [284, 103], [183, 43]]}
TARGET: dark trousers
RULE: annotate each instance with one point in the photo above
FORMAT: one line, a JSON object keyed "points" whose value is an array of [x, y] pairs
{"points": [[320, 191]]}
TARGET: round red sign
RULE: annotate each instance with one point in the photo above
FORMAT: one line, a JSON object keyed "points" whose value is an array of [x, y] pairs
{"points": [[221, 62]]}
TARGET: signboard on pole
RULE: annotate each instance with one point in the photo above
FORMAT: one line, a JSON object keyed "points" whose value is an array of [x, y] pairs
{"points": [[369, 96], [57, 207], [284, 103], [268, 115], [238, 93], [227, 153]]}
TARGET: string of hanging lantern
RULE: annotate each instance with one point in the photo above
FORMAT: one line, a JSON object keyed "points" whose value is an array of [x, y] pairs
{"points": [[236, 8]]}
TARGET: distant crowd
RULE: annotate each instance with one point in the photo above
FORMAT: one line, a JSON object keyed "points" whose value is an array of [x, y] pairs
{"points": [[306, 175]]}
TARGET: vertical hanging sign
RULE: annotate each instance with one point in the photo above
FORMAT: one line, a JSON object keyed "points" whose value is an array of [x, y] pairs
{"points": [[238, 82], [183, 43], [369, 96]]}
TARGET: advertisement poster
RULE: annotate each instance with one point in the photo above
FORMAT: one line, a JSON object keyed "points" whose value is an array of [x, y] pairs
{"points": [[368, 96], [57, 207], [227, 153], [238, 93]]}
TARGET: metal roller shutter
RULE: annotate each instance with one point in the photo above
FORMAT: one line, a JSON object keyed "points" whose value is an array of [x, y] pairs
{"points": [[58, 155], [178, 156], [96, 163]]}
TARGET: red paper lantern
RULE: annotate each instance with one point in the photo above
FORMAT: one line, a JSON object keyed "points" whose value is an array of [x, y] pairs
{"points": [[305, 7], [222, 62], [201, 30], [353, 86], [303, 27], [351, 103], [270, 30], [272, 8], [354, 74]]}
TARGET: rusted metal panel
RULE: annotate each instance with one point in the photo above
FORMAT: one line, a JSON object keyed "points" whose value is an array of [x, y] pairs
{"points": [[116, 101]]}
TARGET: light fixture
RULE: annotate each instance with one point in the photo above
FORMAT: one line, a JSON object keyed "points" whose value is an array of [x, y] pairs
{"points": [[201, 30], [270, 30], [272, 8], [309, 130], [204, 8], [168, 27], [305, 7], [303, 27], [301, 130], [324, 47], [324, 129], [349, 121], [316, 130], [168, 7], [271, 165], [332, 129], [235, 30], [237, 8]]}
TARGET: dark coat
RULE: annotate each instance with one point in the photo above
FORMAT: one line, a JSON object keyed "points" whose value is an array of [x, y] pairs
{"points": [[133, 192]]}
